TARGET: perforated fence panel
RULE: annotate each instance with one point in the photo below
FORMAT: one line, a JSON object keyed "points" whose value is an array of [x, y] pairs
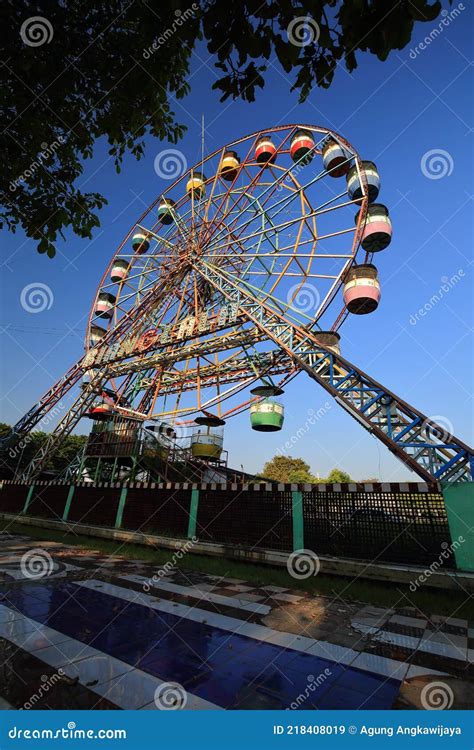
{"points": [[157, 511], [401, 526], [405, 528], [48, 502], [248, 518], [94, 505], [12, 497]]}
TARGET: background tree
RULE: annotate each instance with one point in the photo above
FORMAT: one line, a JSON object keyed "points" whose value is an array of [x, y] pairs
{"points": [[337, 475], [301, 476], [283, 468], [24, 452], [91, 70], [289, 469]]}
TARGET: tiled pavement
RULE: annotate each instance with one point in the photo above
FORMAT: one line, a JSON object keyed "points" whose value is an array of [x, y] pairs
{"points": [[81, 629]]}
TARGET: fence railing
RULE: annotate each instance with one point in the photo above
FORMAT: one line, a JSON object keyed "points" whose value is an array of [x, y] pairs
{"points": [[401, 523]]}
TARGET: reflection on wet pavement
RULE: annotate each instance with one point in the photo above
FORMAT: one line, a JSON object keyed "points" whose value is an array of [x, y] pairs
{"points": [[90, 635]]}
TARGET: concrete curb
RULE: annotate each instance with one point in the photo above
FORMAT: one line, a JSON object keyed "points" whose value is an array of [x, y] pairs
{"points": [[390, 572]]}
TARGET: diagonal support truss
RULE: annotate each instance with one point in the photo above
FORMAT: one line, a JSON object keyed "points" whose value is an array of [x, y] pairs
{"points": [[416, 440], [137, 317]]}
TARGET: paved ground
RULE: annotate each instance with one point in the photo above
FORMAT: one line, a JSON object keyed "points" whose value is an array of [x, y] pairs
{"points": [[81, 629]]}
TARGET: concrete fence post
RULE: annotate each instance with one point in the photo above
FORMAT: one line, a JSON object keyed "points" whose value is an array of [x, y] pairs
{"points": [[28, 499], [193, 511], [67, 507], [120, 509], [298, 523], [459, 504]]}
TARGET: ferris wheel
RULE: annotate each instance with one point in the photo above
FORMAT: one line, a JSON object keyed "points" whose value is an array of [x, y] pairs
{"points": [[235, 279], [269, 210]]}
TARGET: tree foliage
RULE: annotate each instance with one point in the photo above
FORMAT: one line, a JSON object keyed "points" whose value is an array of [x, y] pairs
{"points": [[115, 70], [23, 453], [288, 469], [337, 475], [301, 476]]}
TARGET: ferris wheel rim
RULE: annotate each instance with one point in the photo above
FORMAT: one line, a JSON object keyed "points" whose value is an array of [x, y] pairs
{"points": [[250, 138], [256, 134]]}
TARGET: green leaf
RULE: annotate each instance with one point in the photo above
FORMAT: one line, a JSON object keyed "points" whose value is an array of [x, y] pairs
{"points": [[90, 84]]}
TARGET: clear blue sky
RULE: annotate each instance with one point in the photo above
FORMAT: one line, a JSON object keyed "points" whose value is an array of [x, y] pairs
{"points": [[393, 113]]}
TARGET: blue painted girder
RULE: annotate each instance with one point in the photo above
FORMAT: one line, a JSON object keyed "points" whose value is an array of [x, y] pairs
{"points": [[402, 429]]}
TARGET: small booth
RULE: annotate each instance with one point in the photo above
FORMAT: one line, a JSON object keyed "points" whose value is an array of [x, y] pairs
{"points": [[302, 147], [265, 151], [96, 334], [160, 447], [362, 289], [104, 307], [140, 243], [207, 440], [113, 435], [377, 232], [355, 189], [328, 339], [165, 211], [119, 271], [336, 159], [267, 414], [196, 185], [229, 166]]}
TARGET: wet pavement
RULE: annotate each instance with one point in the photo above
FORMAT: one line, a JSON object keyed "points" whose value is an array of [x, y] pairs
{"points": [[83, 629]]}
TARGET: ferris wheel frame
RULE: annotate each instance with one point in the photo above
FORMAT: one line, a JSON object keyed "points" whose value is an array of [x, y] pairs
{"points": [[197, 215]]}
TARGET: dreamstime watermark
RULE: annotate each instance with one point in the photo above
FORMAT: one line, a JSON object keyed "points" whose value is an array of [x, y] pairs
{"points": [[36, 563], [438, 427], [36, 297], [302, 31], [36, 31], [71, 732], [313, 684], [170, 164], [447, 283], [448, 551], [312, 418], [17, 449], [447, 18], [46, 684], [436, 164], [437, 696], [289, 179], [303, 298], [170, 565], [170, 696], [44, 155], [181, 18], [303, 563]]}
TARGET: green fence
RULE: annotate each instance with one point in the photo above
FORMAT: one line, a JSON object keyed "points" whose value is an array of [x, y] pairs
{"points": [[406, 523]]}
